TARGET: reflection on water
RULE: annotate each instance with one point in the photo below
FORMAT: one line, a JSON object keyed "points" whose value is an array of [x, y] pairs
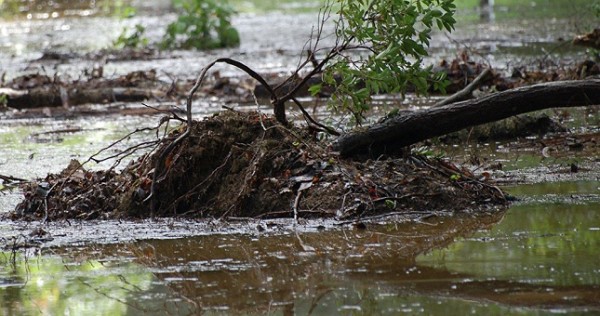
{"points": [[51, 285], [553, 245], [325, 271], [539, 259]]}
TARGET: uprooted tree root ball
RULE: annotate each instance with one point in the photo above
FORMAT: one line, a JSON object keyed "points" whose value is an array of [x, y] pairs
{"points": [[248, 165]]}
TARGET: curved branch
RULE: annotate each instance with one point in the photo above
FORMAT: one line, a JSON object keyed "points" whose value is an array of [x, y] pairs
{"points": [[163, 155], [250, 72], [311, 120], [234, 63]]}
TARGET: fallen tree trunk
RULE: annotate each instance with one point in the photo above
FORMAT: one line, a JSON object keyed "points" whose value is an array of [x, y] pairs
{"points": [[407, 129], [52, 96]]}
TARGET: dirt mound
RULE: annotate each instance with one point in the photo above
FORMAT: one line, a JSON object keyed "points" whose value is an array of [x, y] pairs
{"points": [[247, 165]]}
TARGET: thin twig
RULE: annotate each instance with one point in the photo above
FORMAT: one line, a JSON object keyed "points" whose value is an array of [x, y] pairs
{"points": [[323, 16], [262, 124], [127, 136]]}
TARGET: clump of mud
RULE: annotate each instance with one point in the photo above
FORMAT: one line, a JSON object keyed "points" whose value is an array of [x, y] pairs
{"points": [[247, 165]]}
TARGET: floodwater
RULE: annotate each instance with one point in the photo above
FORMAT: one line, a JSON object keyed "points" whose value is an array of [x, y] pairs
{"points": [[539, 257]]}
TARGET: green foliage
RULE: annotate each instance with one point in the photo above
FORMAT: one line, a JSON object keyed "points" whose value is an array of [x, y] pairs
{"points": [[128, 38], [392, 37], [3, 100], [124, 11], [390, 204], [202, 24], [426, 151], [596, 8], [133, 39]]}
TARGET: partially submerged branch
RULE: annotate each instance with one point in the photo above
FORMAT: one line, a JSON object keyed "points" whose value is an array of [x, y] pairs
{"points": [[404, 130]]}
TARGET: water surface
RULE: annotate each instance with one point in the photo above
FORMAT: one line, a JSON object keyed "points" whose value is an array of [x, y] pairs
{"points": [[538, 258]]}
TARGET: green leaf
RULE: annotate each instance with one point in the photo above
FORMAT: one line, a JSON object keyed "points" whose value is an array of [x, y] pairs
{"points": [[393, 37], [390, 204], [315, 89]]}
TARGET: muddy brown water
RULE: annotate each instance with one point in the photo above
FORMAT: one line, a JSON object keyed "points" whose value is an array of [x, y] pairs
{"points": [[539, 257]]}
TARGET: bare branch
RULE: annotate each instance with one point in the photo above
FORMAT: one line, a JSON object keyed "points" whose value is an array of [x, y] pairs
{"points": [[161, 158], [467, 91], [311, 120]]}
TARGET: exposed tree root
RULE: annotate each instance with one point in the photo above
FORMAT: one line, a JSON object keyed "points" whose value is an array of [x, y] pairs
{"points": [[248, 165]]}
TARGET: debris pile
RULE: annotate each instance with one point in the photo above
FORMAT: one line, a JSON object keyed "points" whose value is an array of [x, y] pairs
{"points": [[247, 165]]}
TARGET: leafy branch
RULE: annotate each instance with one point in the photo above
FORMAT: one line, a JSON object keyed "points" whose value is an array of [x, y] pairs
{"points": [[380, 48]]}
